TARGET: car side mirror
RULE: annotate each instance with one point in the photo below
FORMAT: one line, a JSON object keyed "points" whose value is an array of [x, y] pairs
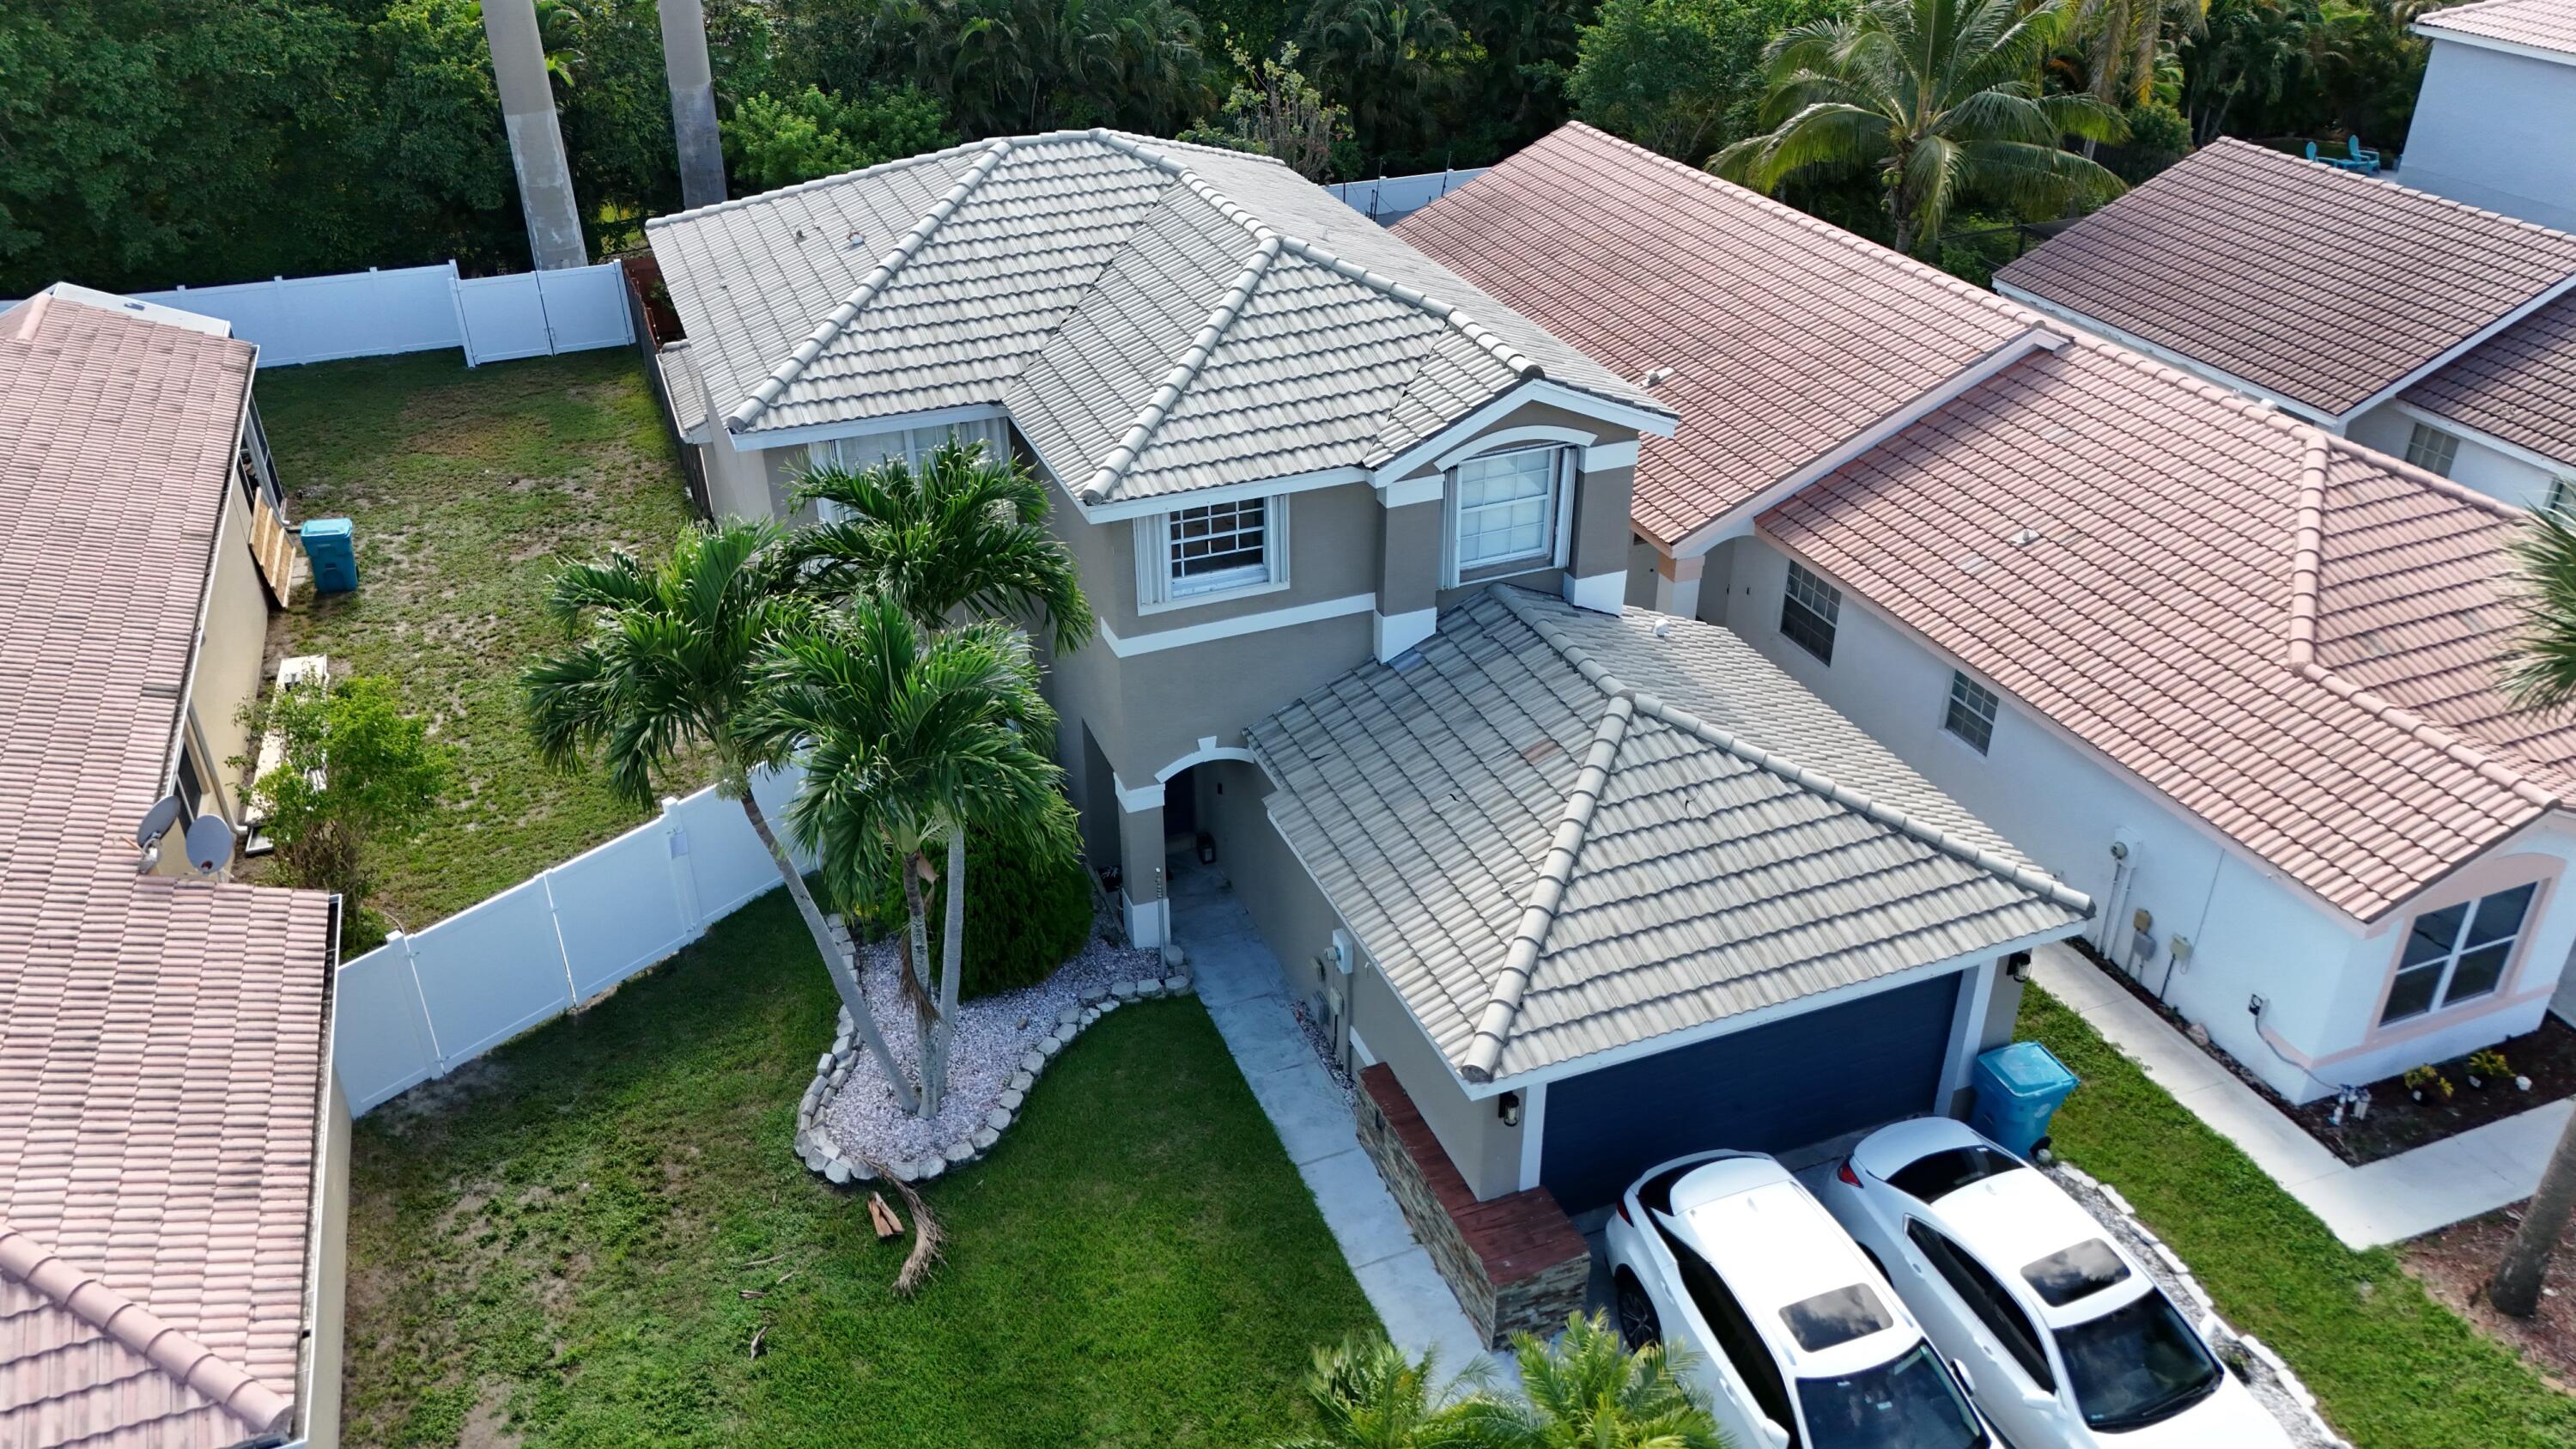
{"points": [[1967, 1380]]}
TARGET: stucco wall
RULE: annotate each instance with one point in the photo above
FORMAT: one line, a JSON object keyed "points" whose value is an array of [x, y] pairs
{"points": [[1286, 904], [319, 1393], [2249, 931], [2496, 474], [1486, 1152], [2491, 129], [229, 657]]}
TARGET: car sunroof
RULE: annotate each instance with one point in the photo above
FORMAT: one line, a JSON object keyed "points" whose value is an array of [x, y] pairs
{"points": [[1935, 1176], [2077, 1272], [1840, 1316]]}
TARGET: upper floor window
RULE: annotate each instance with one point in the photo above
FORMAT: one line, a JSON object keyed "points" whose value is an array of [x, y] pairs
{"points": [[913, 446], [1510, 510], [1215, 548], [1809, 611], [1972, 712], [2457, 953], [2431, 449]]}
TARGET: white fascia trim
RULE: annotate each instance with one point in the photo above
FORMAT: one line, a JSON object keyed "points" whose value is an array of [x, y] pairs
{"points": [[1229, 493], [1426, 489], [1136, 800], [2331, 422], [1738, 520], [1208, 750], [2467, 344], [764, 439], [1241, 624], [1601, 457], [1535, 390], [1601, 593], [2431, 31], [1965, 965], [1398, 632], [1533, 1132], [1575, 400], [2558, 467], [1508, 438]]}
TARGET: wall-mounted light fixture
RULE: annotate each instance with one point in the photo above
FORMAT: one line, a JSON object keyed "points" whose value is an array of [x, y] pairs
{"points": [[1508, 1107], [2017, 966]]}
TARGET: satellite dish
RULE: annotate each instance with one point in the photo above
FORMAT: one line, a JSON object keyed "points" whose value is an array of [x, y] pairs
{"points": [[157, 821], [210, 844]]}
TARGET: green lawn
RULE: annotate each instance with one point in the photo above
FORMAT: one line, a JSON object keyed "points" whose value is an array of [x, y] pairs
{"points": [[2393, 1369], [465, 485], [556, 1247]]}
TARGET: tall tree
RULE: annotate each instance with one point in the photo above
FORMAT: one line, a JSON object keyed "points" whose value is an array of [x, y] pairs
{"points": [[536, 138], [693, 101], [1683, 77], [665, 664], [2541, 675], [909, 739], [1398, 65], [1941, 98], [1274, 110]]}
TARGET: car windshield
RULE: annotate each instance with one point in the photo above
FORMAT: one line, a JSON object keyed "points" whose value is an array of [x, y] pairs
{"points": [[1908, 1402], [2136, 1364], [1936, 1175]]}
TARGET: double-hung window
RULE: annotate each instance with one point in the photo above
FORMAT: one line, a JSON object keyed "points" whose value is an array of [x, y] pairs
{"points": [[2431, 449], [1215, 549], [2457, 953], [1509, 514], [1972, 712], [1808, 612]]}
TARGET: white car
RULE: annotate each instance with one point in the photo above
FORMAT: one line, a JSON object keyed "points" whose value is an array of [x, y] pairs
{"points": [[2065, 1339], [1797, 1338]]}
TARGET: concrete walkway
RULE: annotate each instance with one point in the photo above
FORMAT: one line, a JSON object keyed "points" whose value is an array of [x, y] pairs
{"points": [[2390, 1200], [1240, 982]]}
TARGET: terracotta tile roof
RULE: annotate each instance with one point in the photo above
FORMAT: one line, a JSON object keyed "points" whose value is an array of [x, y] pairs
{"points": [[2290, 636], [2317, 285], [2540, 24], [161, 1041], [1786, 335], [2519, 385]]}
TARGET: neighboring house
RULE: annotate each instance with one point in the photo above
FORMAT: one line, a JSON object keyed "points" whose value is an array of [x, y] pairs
{"points": [[2429, 330], [1280, 438], [2227, 673], [173, 1141], [2492, 118]]}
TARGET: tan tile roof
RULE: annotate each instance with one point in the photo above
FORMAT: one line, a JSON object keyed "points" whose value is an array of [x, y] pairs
{"points": [[1786, 336], [161, 1041], [2317, 285], [2292, 637], [2540, 24], [2519, 385], [1560, 832], [1156, 317]]}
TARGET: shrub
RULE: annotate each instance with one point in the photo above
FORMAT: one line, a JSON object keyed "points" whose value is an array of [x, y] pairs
{"points": [[356, 772], [1022, 921], [2158, 137]]}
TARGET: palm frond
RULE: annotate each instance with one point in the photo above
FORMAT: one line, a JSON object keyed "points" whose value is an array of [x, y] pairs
{"points": [[2540, 672]]}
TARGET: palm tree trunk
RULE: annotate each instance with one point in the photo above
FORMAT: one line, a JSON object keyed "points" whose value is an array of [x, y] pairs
{"points": [[693, 101], [2516, 1289], [917, 940], [844, 979], [536, 141], [952, 957]]}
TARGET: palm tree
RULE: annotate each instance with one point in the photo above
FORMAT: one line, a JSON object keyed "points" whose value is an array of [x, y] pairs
{"points": [[1587, 1391], [2121, 41], [2541, 675], [1941, 96], [666, 662], [908, 739], [1367, 1394]]}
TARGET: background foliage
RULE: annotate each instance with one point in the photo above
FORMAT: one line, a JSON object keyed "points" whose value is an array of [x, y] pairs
{"points": [[1027, 918]]}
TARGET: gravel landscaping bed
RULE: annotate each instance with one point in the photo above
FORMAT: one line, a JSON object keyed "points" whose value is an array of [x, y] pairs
{"points": [[2276, 1388], [849, 1116]]}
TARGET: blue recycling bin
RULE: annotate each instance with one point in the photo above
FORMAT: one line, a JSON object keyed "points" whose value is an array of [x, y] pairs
{"points": [[2019, 1088], [333, 552]]}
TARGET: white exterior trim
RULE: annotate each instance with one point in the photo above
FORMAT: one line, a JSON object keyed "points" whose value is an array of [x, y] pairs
{"points": [[1601, 593], [1739, 520], [2465, 345], [1568, 480], [1200, 497], [1152, 537], [1533, 1132], [1149, 923], [1967, 1028], [1602, 457], [1399, 632], [1137, 799], [2561, 467], [1426, 489], [1509, 438], [1538, 390], [1161, 639], [763, 439], [1208, 750], [2431, 31], [2170, 358]]}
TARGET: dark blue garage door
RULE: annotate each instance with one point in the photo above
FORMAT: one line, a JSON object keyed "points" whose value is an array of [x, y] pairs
{"points": [[1802, 1080]]}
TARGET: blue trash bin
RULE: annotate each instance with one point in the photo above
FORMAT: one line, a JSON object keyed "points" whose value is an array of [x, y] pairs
{"points": [[2019, 1088], [333, 552]]}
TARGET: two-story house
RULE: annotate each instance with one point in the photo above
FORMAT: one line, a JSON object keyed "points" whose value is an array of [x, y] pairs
{"points": [[1578, 889], [2230, 674], [2405, 321], [2491, 120]]}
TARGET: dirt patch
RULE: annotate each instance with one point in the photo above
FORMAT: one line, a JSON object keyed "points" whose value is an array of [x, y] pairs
{"points": [[419, 1110], [487, 1423], [2455, 1264]]}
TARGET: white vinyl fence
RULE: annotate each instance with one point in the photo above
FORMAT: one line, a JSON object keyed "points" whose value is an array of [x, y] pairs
{"points": [[1391, 199], [419, 1005], [418, 309]]}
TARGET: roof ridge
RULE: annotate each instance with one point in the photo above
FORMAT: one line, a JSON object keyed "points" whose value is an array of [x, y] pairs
{"points": [[1221, 318], [2028, 878], [741, 203], [1474, 331], [2234, 143], [2307, 565], [141, 1331], [874, 282]]}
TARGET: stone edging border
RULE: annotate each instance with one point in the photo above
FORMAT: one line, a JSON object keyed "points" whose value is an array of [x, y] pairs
{"points": [[824, 1157], [2201, 1300]]}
